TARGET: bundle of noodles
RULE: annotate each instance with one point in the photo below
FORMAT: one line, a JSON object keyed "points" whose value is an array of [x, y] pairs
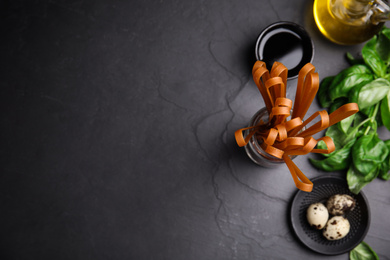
{"points": [[286, 134]]}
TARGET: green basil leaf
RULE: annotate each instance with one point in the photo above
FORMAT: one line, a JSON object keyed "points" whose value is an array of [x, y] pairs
{"points": [[385, 111], [337, 104], [357, 129], [353, 61], [384, 171], [372, 58], [371, 175], [383, 45], [366, 111], [363, 252], [385, 31], [322, 95], [372, 93], [356, 180], [354, 94], [359, 117], [378, 118], [338, 137], [368, 153], [385, 167], [346, 123], [349, 78], [387, 143], [338, 160]]}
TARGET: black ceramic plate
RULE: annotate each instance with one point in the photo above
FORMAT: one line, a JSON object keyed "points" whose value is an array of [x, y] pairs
{"points": [[359, 218]]}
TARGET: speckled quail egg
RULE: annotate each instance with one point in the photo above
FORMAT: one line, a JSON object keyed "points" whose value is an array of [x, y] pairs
{"points": [[317, 215], [336, 228], [340, 204]]}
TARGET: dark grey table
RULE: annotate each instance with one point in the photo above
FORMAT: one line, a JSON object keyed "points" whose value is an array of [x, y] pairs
{"points": [[117, 122]]}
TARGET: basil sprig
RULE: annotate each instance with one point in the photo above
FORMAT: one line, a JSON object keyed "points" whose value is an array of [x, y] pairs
{"points": [[359, 150], [363, 252]]}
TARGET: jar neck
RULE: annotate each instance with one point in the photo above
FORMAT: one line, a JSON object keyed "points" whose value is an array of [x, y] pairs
{"points": [[352, 12], [360, 12], [381, 12]]}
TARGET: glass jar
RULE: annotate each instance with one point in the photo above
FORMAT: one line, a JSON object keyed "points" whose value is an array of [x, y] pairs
{"points": [[253, 148]]}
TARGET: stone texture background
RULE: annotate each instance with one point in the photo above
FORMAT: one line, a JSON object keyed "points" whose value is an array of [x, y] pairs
{"points": [[117, 122]]}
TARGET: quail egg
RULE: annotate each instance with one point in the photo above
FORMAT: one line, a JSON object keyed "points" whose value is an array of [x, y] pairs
{"points": [[340, 204], [317, 215], [336, 228]]}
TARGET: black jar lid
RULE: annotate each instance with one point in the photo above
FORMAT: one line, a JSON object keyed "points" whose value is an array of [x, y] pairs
{"points": [[285, 42]]}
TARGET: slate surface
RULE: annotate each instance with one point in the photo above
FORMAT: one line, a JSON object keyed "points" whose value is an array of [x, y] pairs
{"points": [[117, 122]]}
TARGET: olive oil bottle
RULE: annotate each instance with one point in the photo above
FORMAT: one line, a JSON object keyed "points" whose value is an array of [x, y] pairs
{"points": [[349, 22]]}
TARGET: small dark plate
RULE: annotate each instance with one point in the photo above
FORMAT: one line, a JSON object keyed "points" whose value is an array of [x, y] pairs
{"points": [[359, 218], [285, 42]]}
